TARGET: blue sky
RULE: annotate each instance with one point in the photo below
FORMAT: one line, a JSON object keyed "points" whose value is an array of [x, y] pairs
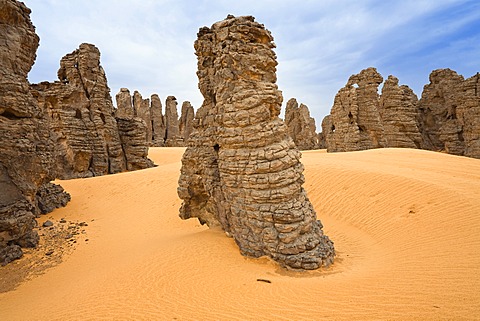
{"points": [[148, 45]]}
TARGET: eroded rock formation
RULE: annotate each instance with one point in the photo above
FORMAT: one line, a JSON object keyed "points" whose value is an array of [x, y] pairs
{"points": [[241, 170], [27, 150], [450, 111], [399, 114], [354, 122], [172, 124], [158, 122], [301, 127], [142, 111], [186, 121], [81, 114], [133, 137]]}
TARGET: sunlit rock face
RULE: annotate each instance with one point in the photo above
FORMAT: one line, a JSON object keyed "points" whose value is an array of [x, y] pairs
{"points": [[241, 170]]}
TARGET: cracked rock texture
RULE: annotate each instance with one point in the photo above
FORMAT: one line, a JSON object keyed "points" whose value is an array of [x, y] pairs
{"points": [[450, 113], [301, 127], [446, 118], [241, 170], [172, 123], [158, 122], [186, 121], [27, 151], [81, 114]]}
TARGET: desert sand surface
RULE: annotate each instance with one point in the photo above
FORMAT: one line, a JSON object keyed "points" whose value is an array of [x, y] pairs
{"points": [[406, 227]]}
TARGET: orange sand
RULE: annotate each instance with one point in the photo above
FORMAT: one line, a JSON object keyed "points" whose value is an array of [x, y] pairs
{"points": [[406, 226]]}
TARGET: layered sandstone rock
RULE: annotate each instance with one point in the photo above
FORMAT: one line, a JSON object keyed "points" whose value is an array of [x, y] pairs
{"points": [[172, 124], [81, 114], [450, 113], [158, 121], [241, 170], [186, 120], [355, 122], [399, 114], [80, 111], [133, 137], [142, 111], [27, 150], [124, 104], [301, 127]]}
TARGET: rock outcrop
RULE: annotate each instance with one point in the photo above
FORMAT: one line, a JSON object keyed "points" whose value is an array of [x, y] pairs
{"points": [[301, 127], [241, 170], [158, 122], [186, 121], [124, 104], [81, 114], [133, 137], [172, 123], [399, 115], [354, 122], [27, 152], [446, 118], [450, 113], [142, 111]]}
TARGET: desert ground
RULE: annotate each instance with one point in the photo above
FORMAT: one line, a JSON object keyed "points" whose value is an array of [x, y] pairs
{"points": [[406, 227]]}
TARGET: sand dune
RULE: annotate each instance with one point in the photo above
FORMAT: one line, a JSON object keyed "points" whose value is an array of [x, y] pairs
{"points": [[405, 224]]}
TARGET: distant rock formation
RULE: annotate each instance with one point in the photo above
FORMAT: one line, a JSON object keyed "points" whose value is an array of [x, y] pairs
{"points": [[301, 127], [354, 122], [133, 137], [241, 170], [186, 120], [27, 151], [162, 130], [158, 122], [450, 112], [445, 118], [399, 114]]}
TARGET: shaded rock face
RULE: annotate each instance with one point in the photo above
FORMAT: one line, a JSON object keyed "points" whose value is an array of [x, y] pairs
{"points": [[124, 104], [450, 113], [355, 122], [186, 121], [301, 127], [51, 196], [80, 111], [158, 122], [142, 111], [133, 136], [241, 170], [399, 114], [172, 124], [27, 150]]}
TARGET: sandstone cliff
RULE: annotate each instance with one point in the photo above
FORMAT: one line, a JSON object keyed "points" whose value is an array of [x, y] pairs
{"points": [[27, 152], [158, 122], [241, 170], [186, 121], [301, 127]]}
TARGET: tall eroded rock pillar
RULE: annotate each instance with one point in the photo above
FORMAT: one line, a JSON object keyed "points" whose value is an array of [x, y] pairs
{"points": [[241, 170]]}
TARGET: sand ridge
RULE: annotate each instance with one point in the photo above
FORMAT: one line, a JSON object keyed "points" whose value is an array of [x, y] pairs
{"points": [[405, 225]]}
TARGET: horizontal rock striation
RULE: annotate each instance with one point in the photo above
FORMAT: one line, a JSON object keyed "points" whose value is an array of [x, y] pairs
{"points": [[27, 150], [241, 170]]}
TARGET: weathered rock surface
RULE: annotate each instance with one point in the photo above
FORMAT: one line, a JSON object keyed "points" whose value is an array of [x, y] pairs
{"points": [[124, 104], [51, 196], [27, 150], [142, 111], [450, 113], [81, 114], [399, 114], [186, 121], [355, 122], [241, 170], [133, 136], [158, 122], [446, 118], [172, 124], [80, 111], [301, 127]]}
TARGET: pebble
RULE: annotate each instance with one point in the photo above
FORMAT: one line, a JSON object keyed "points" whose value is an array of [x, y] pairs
{"points": [[47, 223]]}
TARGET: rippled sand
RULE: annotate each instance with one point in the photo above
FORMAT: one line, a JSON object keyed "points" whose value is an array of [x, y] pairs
{"points": [[406, 226]]}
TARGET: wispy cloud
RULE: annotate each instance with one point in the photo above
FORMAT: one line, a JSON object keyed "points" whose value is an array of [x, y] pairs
{"points": [[148, 45]]}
